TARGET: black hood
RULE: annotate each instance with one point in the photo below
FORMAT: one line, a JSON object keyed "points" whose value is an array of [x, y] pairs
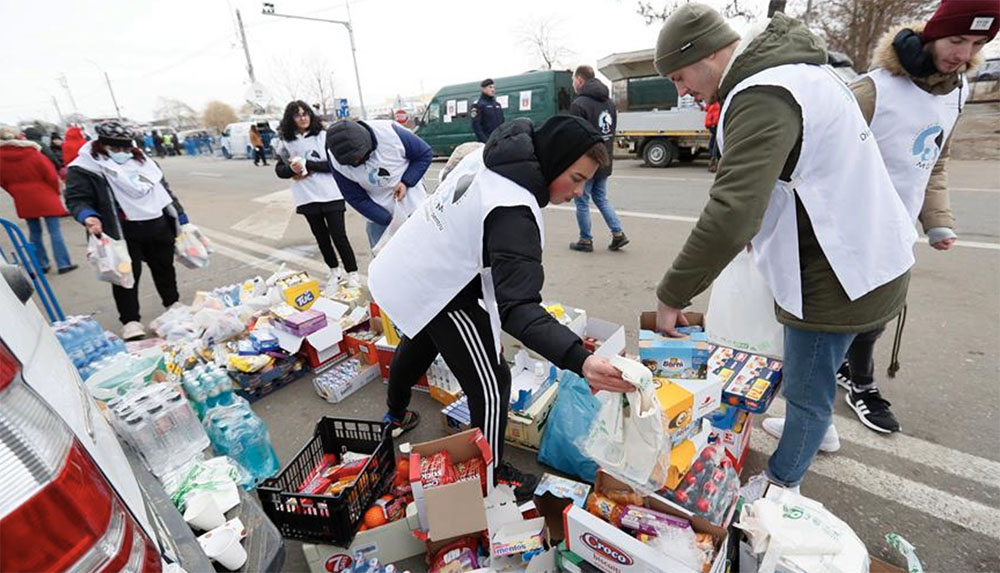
{"points": [[594, 88], [510, 152]]}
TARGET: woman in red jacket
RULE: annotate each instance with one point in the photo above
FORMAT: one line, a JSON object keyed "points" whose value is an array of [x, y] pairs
{"points": [[712, 123], [30, 178], [71, 144]]}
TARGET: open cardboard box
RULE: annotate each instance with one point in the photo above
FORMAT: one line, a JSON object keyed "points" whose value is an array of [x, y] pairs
{"points": [[685, 357], [436, 506], [524, 429], [389, 543], [611, 550], [611, 337], [552, 496]]}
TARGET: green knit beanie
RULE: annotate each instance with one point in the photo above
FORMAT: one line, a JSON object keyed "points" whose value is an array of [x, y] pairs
{"points": [[693, 32]]}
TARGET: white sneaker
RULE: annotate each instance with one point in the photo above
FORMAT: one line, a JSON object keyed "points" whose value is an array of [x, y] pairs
{"points": [[353, 280], [336, 276], [133, 331], [830, 443]]}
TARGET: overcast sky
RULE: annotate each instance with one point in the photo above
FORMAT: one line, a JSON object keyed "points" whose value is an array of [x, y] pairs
{"points": [[189, 49]]}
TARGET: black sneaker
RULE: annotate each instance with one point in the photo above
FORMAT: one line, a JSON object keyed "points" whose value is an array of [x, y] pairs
{"points": [[399, 427], [583, 245], [523, 484], [68, 269], [844, 376], [618, 240], [873, 410]]}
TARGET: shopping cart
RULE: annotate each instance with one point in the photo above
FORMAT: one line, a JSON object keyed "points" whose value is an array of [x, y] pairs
{"points": [[22, 253]]}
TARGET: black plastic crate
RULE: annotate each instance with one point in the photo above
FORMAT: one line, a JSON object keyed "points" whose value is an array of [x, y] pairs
{"points": [[327, 518]]}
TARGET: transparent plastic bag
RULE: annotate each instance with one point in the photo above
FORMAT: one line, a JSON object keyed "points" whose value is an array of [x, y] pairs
{"points": [[111, 260], [399, 216], [191, 247], [741, 310]]}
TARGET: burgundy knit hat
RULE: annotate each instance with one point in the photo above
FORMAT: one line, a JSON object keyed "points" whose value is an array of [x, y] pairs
{"points": [[963, 17]]}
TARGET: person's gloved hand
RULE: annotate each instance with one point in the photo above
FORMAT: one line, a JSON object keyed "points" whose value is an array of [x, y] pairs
{"points": [[941, 238], [183, 219]]}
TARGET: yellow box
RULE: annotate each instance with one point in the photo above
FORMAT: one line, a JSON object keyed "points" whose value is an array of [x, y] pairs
{"points": [[389, 329], [677, 404], [302, 295]]}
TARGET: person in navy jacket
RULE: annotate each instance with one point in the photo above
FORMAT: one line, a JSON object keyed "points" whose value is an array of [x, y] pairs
{"points": [[379, 166], [487, 114]]}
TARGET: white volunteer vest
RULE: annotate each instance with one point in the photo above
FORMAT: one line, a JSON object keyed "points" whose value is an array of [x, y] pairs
{"points": [[911, 126], [439, 249], [384, 170], [859, 220], [317, 187]]}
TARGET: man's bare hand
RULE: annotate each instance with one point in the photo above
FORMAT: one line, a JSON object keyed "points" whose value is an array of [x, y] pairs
{"points": [[668, 319], [601, 375]]}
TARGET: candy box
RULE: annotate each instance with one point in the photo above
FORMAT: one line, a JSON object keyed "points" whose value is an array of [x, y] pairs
{"points": [[749, 381], [667, 357], [684, 402], [303, 323], [735, 439], [298, 290]]}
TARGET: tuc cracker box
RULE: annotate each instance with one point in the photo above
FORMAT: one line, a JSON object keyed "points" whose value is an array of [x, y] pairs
{"points": [[668, 357], [749, 381]]}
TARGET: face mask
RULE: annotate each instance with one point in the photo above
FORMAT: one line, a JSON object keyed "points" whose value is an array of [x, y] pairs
{"points": [[120, 157]]}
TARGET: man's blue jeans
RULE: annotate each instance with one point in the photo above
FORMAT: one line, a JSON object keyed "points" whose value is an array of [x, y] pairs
{"points": [[809, 386], [58, 244], [374, 232], [596, 189]]}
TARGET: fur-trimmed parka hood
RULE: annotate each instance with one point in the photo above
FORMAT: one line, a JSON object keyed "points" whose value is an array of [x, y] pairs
{"points": [[885, 56]]}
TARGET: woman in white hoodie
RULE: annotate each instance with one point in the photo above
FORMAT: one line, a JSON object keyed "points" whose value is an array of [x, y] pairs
{"points": [[113, 187], [302, 158]]}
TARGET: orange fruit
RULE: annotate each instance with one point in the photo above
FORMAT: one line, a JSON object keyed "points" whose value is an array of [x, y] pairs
{"points": [[403, 468], [375, 517]]}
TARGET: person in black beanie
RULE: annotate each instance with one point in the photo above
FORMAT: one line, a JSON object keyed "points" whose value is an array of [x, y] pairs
{"points": [[468, 263]]}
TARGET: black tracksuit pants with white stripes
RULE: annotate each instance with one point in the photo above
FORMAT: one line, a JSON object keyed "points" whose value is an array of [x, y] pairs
{"points": [[464, 338]]}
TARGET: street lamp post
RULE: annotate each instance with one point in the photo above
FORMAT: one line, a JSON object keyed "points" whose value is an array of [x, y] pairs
{"points": [[114, 100], [268, 10]]}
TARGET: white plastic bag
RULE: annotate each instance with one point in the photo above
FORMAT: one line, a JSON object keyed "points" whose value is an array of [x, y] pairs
{"points": [[741, 310], [111, 259], [399, 216], [627, 438], [192, 247]]}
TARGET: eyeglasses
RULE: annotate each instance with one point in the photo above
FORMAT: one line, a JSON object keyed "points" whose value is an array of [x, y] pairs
{"points": [[302, 115]]}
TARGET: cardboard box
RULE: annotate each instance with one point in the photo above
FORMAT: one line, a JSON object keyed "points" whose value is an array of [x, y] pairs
{"points": [[749, 381], [355, 343], [441, 395], [735, 440], [390, 543], [456, 417], [611, 550], [525, 429], [319, 348], [683, 454], [511, 542], [572, 318], [385, 353], [552, 496], [436, 505], [668, 357], [299, 291], [442, 383], [684, 402], [609, 337], [336, 394]]}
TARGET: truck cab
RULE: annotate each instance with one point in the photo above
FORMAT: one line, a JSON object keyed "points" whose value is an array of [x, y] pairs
{"points": [[447, 123]]}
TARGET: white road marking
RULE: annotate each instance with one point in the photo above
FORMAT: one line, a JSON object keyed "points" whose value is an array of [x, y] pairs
{"points": [[684, 219], [283, 196], [271, 221], [961, 464], [204, 174], [974, 190], [239, 242], [244, 257], [917, 496]]}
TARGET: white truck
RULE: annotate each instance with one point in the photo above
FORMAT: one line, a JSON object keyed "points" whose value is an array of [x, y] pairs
{"points": [[651, 124]]}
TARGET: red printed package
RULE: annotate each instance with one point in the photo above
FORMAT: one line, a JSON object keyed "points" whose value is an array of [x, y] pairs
{"points": [[317, 481], [437, 469], [473, 469]]}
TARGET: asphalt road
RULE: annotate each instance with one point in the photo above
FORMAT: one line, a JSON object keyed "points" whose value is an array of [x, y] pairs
{"points": [[937, 483]]}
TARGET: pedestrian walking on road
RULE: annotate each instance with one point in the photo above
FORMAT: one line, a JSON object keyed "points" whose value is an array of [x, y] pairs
{"points": [[33, 133], [301, 156], [487, 113], [712, 112], [379, 166], [258, 146], [31, 180], [835, 248], [594, 104], [912, 99], [113, 187], [451, 280], [55, 150], [161, 150]]}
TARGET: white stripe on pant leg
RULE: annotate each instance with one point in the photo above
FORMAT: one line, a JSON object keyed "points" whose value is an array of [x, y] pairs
{"points": [[500, 409], [488, 399]]}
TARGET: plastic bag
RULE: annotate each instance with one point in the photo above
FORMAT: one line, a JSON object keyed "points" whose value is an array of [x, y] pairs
{"points": [[111, 259], [218, 325], [399, 216], [627, 438], [568, 422], [191, 247], [741, 310]]}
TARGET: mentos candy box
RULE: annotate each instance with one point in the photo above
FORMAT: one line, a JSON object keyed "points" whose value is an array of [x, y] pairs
{"points": [[667, 357], [749, 381]]}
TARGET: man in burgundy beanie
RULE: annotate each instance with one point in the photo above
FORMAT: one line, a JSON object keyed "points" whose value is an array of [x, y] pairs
{"points": [[911, 99]]}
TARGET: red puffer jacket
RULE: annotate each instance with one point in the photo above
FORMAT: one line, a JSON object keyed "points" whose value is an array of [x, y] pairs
{"points": [[30, 178], [712, 114], [72, 143]]}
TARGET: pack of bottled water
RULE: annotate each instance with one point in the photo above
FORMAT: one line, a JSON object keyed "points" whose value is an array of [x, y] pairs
{"points": [[86, 342], [235, 430]]}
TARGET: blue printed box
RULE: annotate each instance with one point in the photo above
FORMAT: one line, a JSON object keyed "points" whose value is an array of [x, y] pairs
{"points": [[666, 357]]}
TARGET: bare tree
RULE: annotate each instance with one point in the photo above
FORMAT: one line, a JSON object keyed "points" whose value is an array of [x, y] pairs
{"points": [[320, 83], [744, 9], [541, 40], [218, 115], [855, 26], [179, 114]]}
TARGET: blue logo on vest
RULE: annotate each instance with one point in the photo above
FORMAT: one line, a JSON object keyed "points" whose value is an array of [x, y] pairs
{"points": [[379, 176], [927, 146]]}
